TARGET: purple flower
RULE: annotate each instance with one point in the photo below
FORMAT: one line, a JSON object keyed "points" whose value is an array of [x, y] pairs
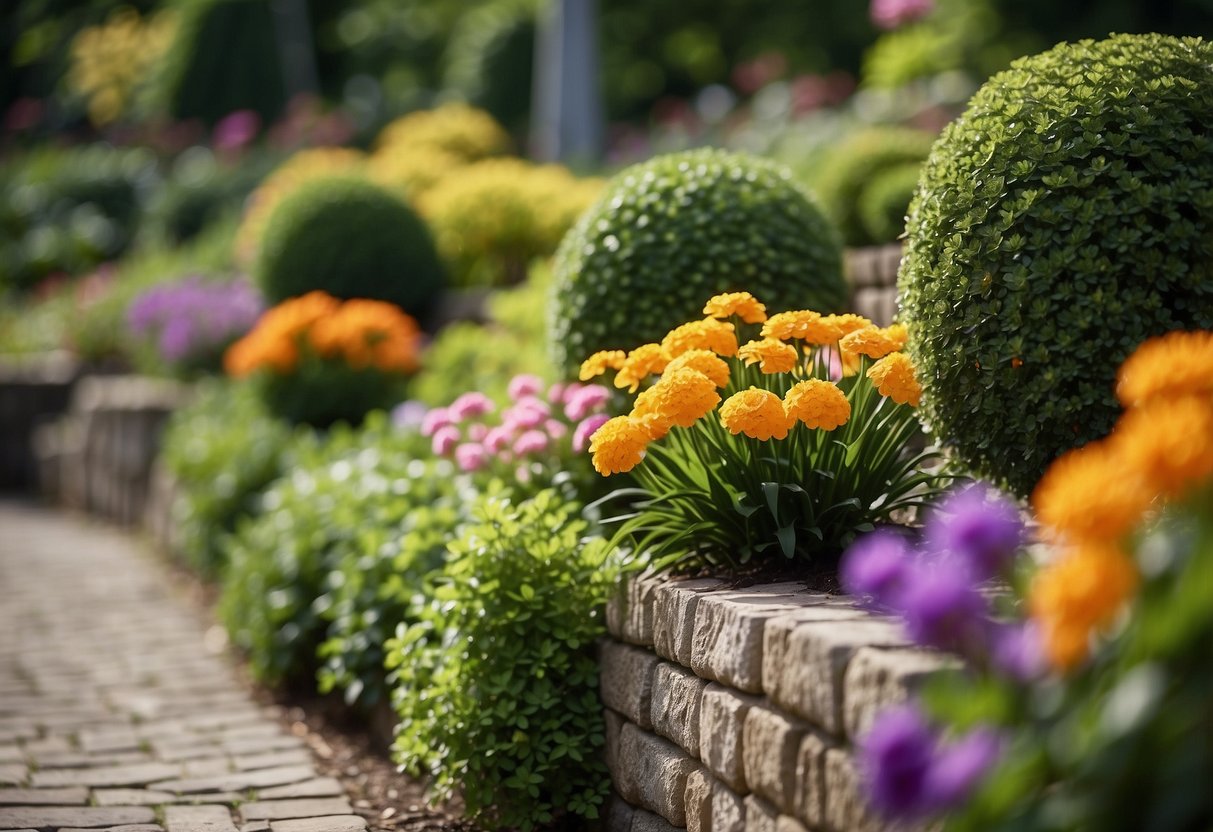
{"points": [[194, 319], [942, 608], [410, 414], [469, 406], [894, 759], [236, 129], [1017, 650], [875, 566], [979, 527], [585, 430], [524, 385], [960, 766]]}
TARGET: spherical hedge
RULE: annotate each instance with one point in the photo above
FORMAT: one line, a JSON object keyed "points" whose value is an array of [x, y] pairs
{"points": [[352, 239], [670, 233], [1062, 220]]}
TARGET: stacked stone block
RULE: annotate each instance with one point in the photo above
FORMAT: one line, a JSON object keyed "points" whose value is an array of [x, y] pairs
{"points": [[736, 710], [872, 275], [33, 390]]}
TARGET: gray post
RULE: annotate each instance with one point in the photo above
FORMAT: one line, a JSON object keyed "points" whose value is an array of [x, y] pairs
{"points": [[294, 33], [566, 121]]}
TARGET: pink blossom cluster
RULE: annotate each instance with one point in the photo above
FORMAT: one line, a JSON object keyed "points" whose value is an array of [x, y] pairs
{"points": [[536, 426], [891, 14]]}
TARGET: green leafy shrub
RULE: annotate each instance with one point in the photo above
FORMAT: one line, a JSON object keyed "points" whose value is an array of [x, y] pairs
{"points": [[1064, 218], [497, 685], [223, 449], [352, 239], [680, 228], [336, 500], [884, 202], [854, 165], [489, 57], [202, 191]]}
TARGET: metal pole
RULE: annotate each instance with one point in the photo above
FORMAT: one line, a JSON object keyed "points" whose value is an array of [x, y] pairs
{"points": [[567, 120]]}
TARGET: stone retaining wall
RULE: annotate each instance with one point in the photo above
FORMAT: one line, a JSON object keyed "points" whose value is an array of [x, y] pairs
{"points": [[735, 710], [33, 390], [99, 457], [872, 275]]}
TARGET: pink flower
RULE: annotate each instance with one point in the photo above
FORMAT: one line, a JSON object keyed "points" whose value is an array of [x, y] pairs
{"points": [[531, 442], [524, 385], [445, 438], [557, 391], [583, 402], [236, 129], [497, 439], [556, 429], [437, 418], [470, 457], [478, 432], [523, 418], [585, 430], [469, 406], [890, 14], [534, 403]]}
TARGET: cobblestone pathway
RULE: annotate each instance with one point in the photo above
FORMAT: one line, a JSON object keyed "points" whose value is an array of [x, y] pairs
{"points": [[114, 714]]}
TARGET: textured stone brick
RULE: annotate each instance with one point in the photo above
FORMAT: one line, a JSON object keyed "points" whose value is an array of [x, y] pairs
{"points": [[613, 723], [674, 605], [698, 801], [629, 612], [316, 787], [845, 808], [626, 681], [770, 745], [653, 774], [239, 780], [775, 633], [643, 821], [275, 810], [785, 823], [198, 819], [722, 715], [273, 759], [810, 682], [37, 817], [810, 796], [77, 796], [876, 679], [760, 816], [677, 693], [139, 774], [728, 809], [617, 815], [727, 643], [337, 823]]}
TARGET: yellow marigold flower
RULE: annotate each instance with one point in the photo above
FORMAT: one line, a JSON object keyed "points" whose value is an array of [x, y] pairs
{"points": [[705, 361], [600, 362], [786, 326], [817, 403], [898, 334], [756, 413], [868, 341], [618, 445], [893, 376], [742, 304], [1169, 443], [771, 355], [1077, 594], [708, 334], [848, 323], [1175, 364], [681, 398], [640, 363], [1090, 494]]}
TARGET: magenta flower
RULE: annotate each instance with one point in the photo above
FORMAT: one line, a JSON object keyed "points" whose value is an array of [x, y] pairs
{"points": [[524, 385], [557, 391], [444, 440], [585, 400], [876, 567], [469, 406], [497, 439], [520, 418], [531, 442], [236, 129], [470, 457], [585, 430], [979, 528], [437, 418], [891, 14], [478, 431]]}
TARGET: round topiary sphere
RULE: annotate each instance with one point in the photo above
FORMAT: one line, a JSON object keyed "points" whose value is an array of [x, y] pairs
{"points": [[668, 234], [1063, 219], [352, 239]]}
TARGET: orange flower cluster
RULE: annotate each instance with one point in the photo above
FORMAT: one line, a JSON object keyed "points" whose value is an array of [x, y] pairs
{"points": [[358, 333], [1090, 499], [689, 361]]}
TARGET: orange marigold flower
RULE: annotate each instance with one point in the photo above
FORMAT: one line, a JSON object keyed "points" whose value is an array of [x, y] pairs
{"points": [[742, 304], [798, 324], [1169, 443], [756, 413], [848, 323], [705, 361], [1077, 594], [708, 334], [771, 355], [817, 403], [618, 445], [273, 342], [1175, 364], [640, 363], [898, 334], [1090, 494], [869, 341], [681, 398], [600, 362], [893, 376], [369, 333]]}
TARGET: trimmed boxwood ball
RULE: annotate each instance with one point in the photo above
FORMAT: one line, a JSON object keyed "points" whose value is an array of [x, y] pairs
{"points": [[1062, 220], [352, 239], [670, 233]]}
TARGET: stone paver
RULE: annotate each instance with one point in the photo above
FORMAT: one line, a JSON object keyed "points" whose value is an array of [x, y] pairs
{"points": [[115, 714]]}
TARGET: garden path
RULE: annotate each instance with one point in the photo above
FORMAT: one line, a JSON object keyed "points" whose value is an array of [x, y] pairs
{"points": [[118, 707]]}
